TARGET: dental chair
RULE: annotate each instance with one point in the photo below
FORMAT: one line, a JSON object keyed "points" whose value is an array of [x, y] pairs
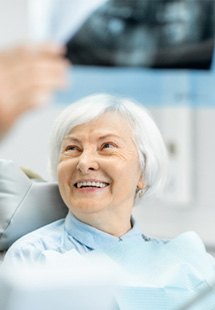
{"points": [[25, 204]]}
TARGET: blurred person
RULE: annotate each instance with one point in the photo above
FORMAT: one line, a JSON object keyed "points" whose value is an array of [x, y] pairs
{"points": [[106, 160], [29, 74]]}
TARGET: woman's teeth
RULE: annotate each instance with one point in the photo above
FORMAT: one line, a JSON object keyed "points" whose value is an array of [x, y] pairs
{"points": [[91, 184]]}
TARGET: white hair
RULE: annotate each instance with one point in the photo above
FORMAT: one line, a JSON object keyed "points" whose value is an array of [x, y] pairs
{"points": [[151, 148]]}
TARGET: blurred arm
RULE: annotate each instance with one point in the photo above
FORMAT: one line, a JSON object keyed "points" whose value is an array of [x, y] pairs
{"points": [[28, 77]]}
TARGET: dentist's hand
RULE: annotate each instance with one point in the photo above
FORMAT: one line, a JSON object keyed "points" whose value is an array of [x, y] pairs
{"points": [[28, 77]]}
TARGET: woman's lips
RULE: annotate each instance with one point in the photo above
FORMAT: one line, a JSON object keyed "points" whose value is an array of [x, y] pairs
{"points": [[90, 189], [90, 185]]}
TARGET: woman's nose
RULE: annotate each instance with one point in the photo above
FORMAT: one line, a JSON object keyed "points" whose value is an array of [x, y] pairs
{"points": [[87, 162]]}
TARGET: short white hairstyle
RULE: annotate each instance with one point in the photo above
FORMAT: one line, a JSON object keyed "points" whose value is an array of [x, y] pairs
{"points": [[147, 137]]}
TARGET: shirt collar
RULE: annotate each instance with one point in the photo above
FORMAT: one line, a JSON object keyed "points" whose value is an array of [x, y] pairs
{"points": [[94, 238]]}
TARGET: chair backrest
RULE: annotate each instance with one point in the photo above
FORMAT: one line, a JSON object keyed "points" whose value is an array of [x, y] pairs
{"points": [[25, 205]]}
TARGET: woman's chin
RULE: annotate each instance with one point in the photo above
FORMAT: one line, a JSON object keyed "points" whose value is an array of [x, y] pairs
{"points": [[87, 206]]}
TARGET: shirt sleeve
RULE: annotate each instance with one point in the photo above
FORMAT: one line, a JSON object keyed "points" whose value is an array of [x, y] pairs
{"points": [[22, 253]]}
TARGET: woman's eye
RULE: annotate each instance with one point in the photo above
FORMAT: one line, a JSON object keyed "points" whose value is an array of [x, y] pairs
{"points": [[71, 149], [108, 145]]}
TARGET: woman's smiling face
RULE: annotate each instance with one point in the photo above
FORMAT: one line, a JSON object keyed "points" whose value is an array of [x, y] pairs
{"points": [[98, 169]]}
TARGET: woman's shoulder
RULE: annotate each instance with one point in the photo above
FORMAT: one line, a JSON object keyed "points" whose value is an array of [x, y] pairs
{"points": [[186, 242], [188, 237], [44, 232], [31, 245], [188, 248]]}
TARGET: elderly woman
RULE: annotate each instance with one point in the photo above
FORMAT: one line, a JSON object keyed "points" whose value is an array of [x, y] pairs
{"points": [[107, 154]]}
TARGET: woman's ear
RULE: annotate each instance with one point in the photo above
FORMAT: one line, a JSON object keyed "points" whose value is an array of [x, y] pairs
{"points": [[140, 184], [140, 188]]}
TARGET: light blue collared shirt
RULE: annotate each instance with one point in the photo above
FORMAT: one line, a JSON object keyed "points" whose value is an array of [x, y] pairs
{"points": [[64, 235], [167, 272]]}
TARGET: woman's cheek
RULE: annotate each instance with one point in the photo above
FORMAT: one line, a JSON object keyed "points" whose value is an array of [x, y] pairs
{"points": [[62, 176]]}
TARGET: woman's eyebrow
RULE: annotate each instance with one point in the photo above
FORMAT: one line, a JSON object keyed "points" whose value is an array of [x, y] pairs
{"points": [[71, 138], [119, 139]]}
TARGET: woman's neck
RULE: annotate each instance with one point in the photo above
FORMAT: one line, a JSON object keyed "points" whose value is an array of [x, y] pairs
{"points": [[113, 225]]}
